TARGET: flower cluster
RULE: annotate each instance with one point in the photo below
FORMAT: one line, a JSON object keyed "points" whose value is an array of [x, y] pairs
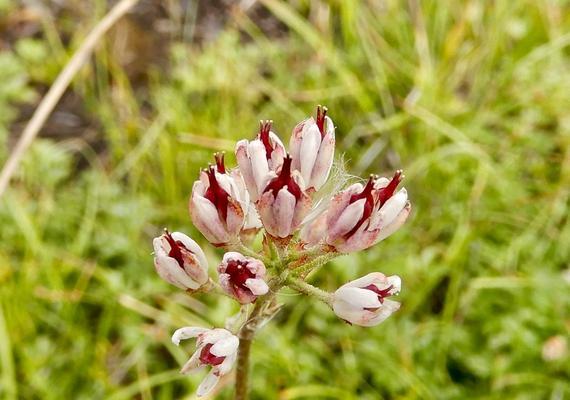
{"points": [[279, 196]]}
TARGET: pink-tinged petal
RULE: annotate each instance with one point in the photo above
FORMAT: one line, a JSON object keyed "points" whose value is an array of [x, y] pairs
{"points": [[349, 313], [259, 165], [323, 163], [235, 219], [309, 151], [186, 333], [373, 278], [381, 183], [193, 364], [232, 255], [346, 221], [339, 202], [244, 164], [256, 267], [265, 209], [360, 240], [302, 209], [283, 210], [356, 297], [257, 286], [169, 270], [209, 382], [205, 217], [192, 246], [295, 143], [380, 315], [225, 347], [225, 282], [278, 153], [395, 225], [315, 231]]}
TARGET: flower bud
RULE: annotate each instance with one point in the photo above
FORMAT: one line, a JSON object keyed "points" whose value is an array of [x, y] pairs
{"points": [[256, 158], [180, 261], [215, 207], [284, 203], [214, 347], [312, 148], [242, 277], [359, 217], [364, 301]]}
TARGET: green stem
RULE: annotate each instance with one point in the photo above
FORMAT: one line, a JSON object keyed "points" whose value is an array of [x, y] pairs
{"points": [[246, 251], [303, 270], [310, 290]]}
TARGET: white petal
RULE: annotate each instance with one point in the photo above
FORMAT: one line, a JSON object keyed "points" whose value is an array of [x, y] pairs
{"points": [[205, 218], [169, 270], [309, 150], [356, 297], [396, 282], [193, 363], [257, 286], [225, 347], [213, 335], [368, 279], [208, 383], [227, 364], [259, 166], [233, 255], [393, 206], [387, 309], [396, 224], [186, 333]]}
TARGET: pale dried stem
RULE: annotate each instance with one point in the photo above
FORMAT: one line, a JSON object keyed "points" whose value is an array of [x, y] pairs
{"points": [[59, 86]]}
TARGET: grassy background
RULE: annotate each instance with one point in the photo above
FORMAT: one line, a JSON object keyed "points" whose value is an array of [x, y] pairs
{"points": [[471, 98]]}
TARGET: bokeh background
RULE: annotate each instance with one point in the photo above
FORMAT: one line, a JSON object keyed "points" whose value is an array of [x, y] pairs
{"points": [[470, 98]]}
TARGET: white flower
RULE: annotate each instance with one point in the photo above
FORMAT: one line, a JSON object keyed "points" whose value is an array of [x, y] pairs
{"points": [[180, 261], [215, 347], [364, 301]]}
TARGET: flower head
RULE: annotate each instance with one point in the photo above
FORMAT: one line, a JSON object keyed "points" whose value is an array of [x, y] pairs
{"points": [[258, 157], [180, 261], [242, 277], [365, 302], [214, 347], [215, 206], [360, 217], [284, 202], [312, 148]]}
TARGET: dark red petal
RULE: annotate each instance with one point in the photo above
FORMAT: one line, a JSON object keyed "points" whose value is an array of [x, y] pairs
{"points": [[219, 156], [385, 193], [175, 247], [208, 358], [285, 179], [239, 273], [217, 195], [264, 129], [321, 114]]}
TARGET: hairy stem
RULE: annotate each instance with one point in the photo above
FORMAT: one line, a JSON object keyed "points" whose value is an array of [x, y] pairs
{"points": [[310, 290], [242, 370]]}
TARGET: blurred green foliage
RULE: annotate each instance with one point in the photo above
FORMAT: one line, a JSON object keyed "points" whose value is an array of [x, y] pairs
{"points": [[470, 98]]}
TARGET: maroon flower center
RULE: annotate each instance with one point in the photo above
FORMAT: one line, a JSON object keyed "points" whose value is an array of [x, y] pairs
{"points": [[239, 273], [285, 179], [382, 195], [216, 194], [368, 205], [385, 193], [175, 246], [382, 294], [264, 129], [321, 114], [208, 358], [221, 166]]}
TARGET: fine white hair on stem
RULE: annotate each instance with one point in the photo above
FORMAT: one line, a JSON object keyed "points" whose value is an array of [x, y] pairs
{"points": [[339, 179]]}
